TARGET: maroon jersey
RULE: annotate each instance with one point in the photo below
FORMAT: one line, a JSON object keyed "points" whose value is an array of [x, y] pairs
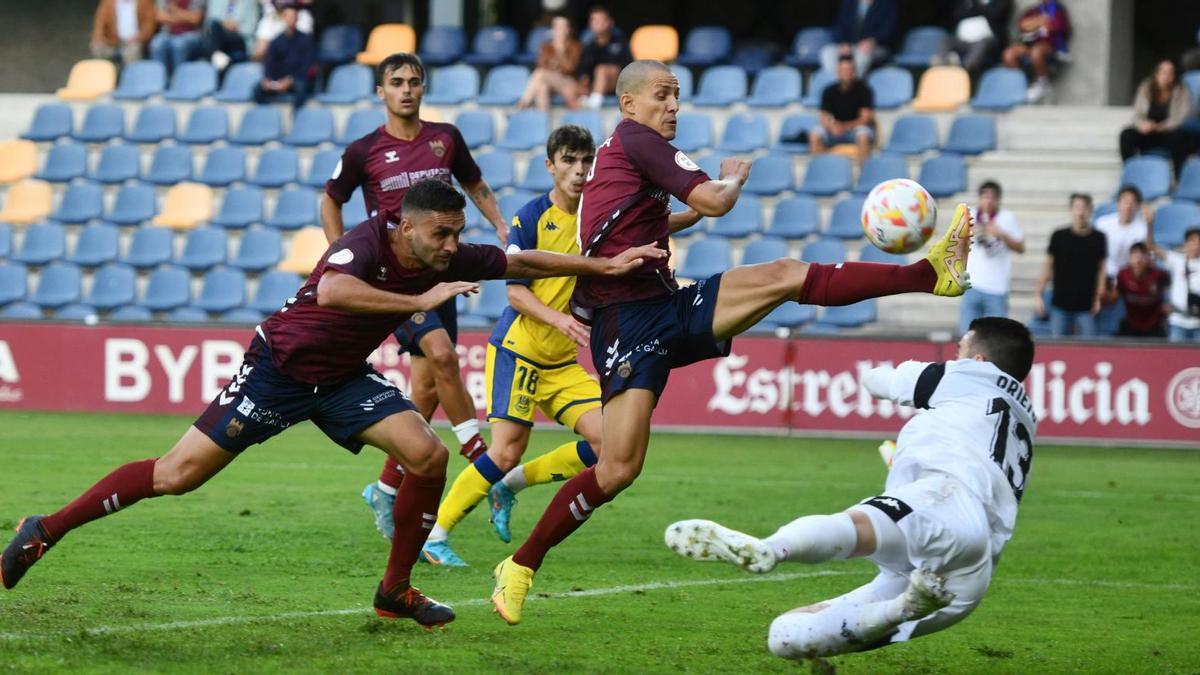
{"points": [[1143, 297], [626, 201], [386, 166], [323, 346]]}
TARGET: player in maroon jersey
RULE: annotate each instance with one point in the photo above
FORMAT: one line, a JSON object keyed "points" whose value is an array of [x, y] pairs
{"points": [[308, 361], [385, 163], [644, 325]]}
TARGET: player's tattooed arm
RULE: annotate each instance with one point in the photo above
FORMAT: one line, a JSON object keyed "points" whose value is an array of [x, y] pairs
{"points": [[682, 220], [481, 193], [542, 264], [351, 294]]}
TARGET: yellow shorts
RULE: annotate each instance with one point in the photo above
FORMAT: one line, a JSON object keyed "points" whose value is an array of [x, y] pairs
{"points": [[515, 386]]}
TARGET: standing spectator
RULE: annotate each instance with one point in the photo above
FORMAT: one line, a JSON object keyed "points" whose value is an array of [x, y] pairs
{"points": [[1122, 228], [1184, 321], [980, 32], [1143, 286], [178, 39], [229, 31], [1160, 106], [122, 28], [557, 64], [603, 56], [1043, 31], [289, 66], [863, 29], [997, 236], [847, 113], [1075, 262], [271, 23]]}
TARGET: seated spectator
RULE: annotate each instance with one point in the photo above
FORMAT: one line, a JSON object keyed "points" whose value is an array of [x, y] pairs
{"points": [[603, 57], [1184, 322], [229, 31], [863, 29], [1075, 265], [980, 33], [123, 28], [271, 23], [847, 113], [178, 38], [1123, 228], [1143, 286], [997, 237], [290, 65], [1043, 31], [1160, 106], [558, 61]]}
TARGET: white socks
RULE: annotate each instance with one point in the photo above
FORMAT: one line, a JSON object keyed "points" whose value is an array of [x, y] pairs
{"points": [[466, 431], [815, 539], [515, 479], [438, 533], [385, 488], [844, 626]]}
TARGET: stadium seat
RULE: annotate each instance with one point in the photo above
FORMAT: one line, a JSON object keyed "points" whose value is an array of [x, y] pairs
{"points": [[536, 178], [525, 130], [827, 175], [825, 251], [321, 167], [846, 220], [942, 89], [65, 161], [510, 204], [276, 167], [51, 121], [305, 251], [260, 249], [339, 44], [130, 314], [497, 168], [59, 284], [295, 208], [1103, 209], [795, 217], [442, 45], [764, 250], [818, 82], [89, 80], [27, 202], [223, 289], [1000, 89], [711, 163], [893, 87], [881, 167], [753, 57], [275, 288], [788, 315], [140, 80], [387, 39], [348, 83], [167, 288], [118, 163], [971, 135], [693, 131], [1171, 221], [1191, 79], [921, 45], [203, 248], [493, 45], [239, 83], [1189, 181], [745, 133], [149, 247], [82, 201], [1150, 174], [705, 46], [913, 135], [533, 44], [98, 243], [706, 257], [242, 315], [18, 160], [806, 48], [101, 123], [721, 86], [944, 175], [591, 120], [771, 175], [259, 126], [207, 124], [240, 208], [189, 314], [683, 76], [476, 126], [5, 240], [223, 166], [504, 85], [793, 132], [360, 123], [186, 206], [21, 310], [133, 205], [850, 316], [192, 81], [153, 124], [776, 87], [452, 85], [875, 255], [14, 280], [493, 299], [656, 42], [42, 244], [76, 311], [112, 286], [170, 165], [743, 220], [354, 211]]}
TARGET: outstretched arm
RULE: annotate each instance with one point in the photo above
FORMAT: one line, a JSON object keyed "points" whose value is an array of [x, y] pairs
{"points": [[348, 293], [717, 197], [485, 199], [910, 383], [542, 264]]}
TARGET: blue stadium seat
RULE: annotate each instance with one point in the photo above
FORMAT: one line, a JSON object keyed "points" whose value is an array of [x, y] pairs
{"points": [[1189, 181], [102, 123], [846, 220], [711, 163], [921, 45], [825, 251], [192, 81], [693, 131], [721, 86], [276, 167], [827, 175], [42, 243], [453, 85], [510, 204], [260, 125], [1171, 221], [771, 175], [241, 207], [1103, 209], [242, 315], [311, 126], [203, 248], [296, 208], [795, 217], [913, 135], [354, 211], [82, 201], [493, 45], [76, 311], [850, 316], [51, 121], [875, 255], [743, 220], [59, 284], [130, 314], [745, 133], [149, 247], [274, 290], [223, 166], [536, 178], [140, 80], [339, 44], [497, 168], [504, 85], [5, 240], [118, 163], [706, 257], [224, 288], [153, 124], [493, 299], [97, 244], [133, 205], [533, 44], [971, 135], [13, 282], [259, 249], [442, 45], [64, 162], [881, 167], [591, 120], [1000, 89], [348, 83], [1151, 175], [764, 250], [188, 314], [1191, 79], [705, 46], [793, 133], [112, 286], [476, 126], [893, 87], [321, 168], [170, 164], [806, 48], [22, 310], [207, 124], [683, 75], [776, 87], [167, 288], [788, 315], [817, 83], [525, 130], [240, 82], [486, 235], [360, 123], [753, 57], [944, 175]]}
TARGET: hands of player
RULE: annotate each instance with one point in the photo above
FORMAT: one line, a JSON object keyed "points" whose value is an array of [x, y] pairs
{"points": [[630, 259], [447, 290], [733, 167], [567, 325]]}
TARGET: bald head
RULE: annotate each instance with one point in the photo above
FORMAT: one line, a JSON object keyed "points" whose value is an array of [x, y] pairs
{"points": [[634, 76], [648, 93]]}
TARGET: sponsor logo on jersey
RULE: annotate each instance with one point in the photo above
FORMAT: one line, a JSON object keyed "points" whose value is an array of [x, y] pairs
{"points": [[246, 406], [892, 507], [685, 162], [437, 147], [382, 275], [550, 227], [1183, 397], [341, 257], [390, 157]]}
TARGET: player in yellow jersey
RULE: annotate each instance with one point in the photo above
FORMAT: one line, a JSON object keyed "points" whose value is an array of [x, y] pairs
{"points": [[531, 361]]}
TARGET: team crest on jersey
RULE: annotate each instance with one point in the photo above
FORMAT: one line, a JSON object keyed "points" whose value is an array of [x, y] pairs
{"points": [[390, 157], [624, 369], [522, 405], [382, 276], [234, 428], [418, 318], [437, 147], [685, 162]]}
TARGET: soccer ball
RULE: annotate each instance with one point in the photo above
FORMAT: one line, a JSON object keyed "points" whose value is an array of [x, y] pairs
{"points": [[899, 215]]}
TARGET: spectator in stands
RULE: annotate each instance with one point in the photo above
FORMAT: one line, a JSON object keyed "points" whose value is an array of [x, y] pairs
{"points": [[1143, 286], [997, 236], [123, 28], [1043, 31], [863, 29], [1184, 322], [557, 65], [980, 33], [847, 113], [1075, 263], [1123, 228], [178, 39], [603, 56], [1160, 106], [290, 65], [229, 30], [271, 23]]}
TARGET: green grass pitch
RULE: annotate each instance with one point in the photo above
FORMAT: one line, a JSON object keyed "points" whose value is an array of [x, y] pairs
{"points": [[272, 565]]}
